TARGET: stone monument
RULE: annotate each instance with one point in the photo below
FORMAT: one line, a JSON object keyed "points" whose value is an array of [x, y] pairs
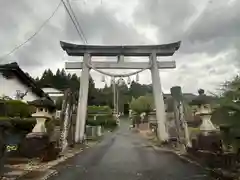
{"points": [[208, 139], [37, 142]]}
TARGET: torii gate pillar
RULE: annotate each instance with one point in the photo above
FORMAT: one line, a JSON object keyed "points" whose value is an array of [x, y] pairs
{"points": [[158, 99], [82, 100]]}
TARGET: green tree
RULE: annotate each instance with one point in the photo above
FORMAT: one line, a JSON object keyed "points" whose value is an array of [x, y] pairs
{"points": [[142, 104], [227, 113], [104, 97]]}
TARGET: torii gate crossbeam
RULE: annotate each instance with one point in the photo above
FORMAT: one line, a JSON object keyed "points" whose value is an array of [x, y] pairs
{"points": [[151, 51]]}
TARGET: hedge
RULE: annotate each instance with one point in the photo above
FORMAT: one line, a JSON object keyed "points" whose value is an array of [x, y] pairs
{"points": [[103, 115], [106, 120], [100, 116], [27, 124], [15, 108], [106, 123], [99, 110]]}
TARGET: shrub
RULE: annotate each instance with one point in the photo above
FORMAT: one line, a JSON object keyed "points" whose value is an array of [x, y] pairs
{"points": [[110, 124], [27, 124], [15, 108], [20, 124], [101, 120], [92, 122], [103, 116]]}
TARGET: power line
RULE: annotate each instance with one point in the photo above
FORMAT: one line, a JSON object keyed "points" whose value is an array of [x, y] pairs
{"points": [[74, 23], [79, 26], [31, 37]]}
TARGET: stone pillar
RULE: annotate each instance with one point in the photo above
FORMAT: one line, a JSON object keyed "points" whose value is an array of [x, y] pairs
{"points": [[82, 101], [99, 131], [158, 99], [179, 113], [114, 97], [152, 120]]}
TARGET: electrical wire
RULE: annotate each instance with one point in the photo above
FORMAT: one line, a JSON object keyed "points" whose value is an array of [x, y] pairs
{"points": [[76, 25], [34, 35], [82, 36], [79, 26]]}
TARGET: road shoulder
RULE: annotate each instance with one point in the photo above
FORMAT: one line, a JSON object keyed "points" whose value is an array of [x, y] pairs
{"points": [[36, 170], [215, 173]]}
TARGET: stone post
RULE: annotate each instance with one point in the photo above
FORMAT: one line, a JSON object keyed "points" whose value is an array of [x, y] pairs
{"points": [[99, 131], [152, 119], [179, 113]]}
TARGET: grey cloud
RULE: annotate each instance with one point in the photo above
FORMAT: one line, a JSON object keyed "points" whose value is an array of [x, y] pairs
{"points": [[210, 46], [35, 51], [213, 34], [214, 31], [221, 22], [100, 26], [168, 16]]}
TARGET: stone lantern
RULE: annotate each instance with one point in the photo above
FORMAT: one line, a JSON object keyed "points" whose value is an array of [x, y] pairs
{"points": [[38, 142], [202, 108], [44, 111]]}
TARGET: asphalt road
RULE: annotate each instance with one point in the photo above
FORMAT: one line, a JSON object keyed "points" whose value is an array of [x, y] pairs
{"points": [[124, 155]]}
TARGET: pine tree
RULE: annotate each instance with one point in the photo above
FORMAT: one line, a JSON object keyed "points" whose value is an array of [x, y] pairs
{"points": [[61, 81]]}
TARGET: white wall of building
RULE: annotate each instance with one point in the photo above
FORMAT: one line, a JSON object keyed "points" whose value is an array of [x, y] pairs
{"points": [[9, 87]]}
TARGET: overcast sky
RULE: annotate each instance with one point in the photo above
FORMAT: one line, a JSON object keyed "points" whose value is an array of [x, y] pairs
{"points": [[209, 31]]}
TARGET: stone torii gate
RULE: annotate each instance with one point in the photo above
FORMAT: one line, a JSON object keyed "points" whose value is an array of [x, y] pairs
{"points": [[151, 51]]}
